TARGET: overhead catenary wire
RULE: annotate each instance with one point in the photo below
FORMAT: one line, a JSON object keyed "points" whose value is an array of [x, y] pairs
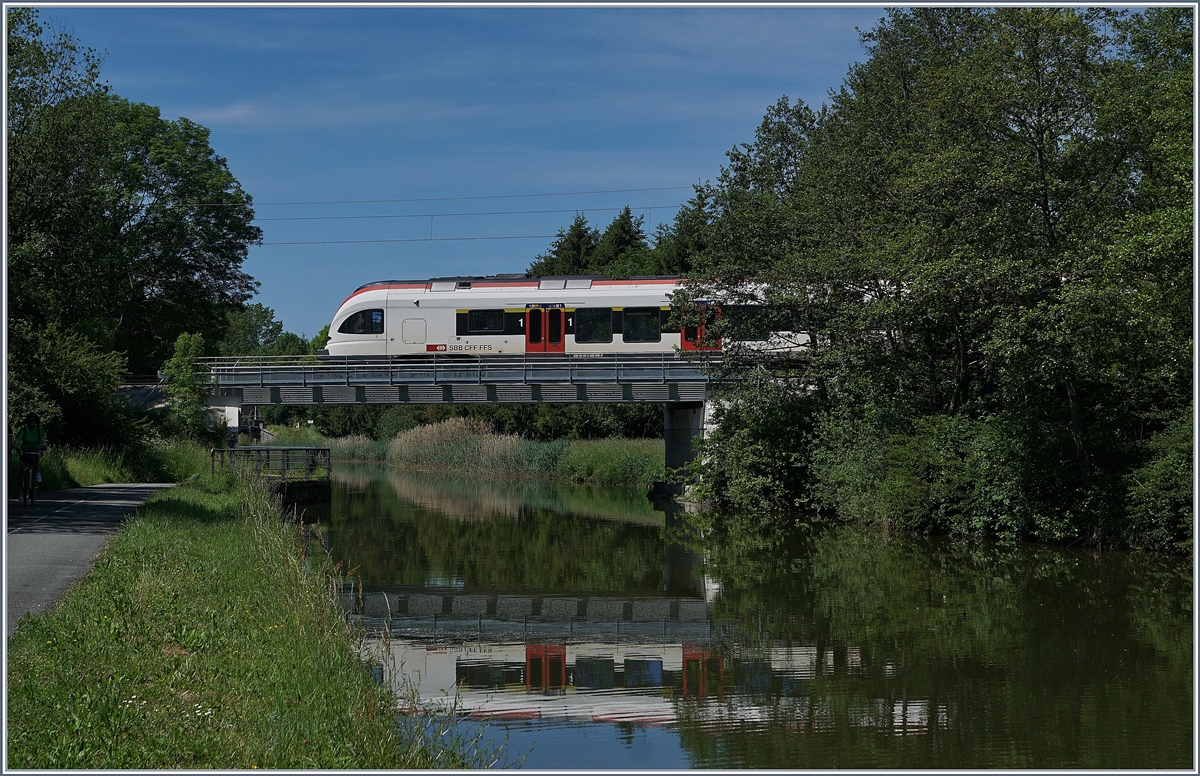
{"points": [[462, 215], [438, 199], [414, 239]]}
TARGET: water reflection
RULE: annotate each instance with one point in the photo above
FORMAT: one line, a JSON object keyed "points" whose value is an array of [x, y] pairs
{"points": [[551, 610]]}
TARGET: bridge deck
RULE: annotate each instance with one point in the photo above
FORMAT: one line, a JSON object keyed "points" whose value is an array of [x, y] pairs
{"points": [[439, 378]]}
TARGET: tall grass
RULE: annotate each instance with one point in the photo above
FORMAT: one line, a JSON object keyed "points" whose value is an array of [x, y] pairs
{"points": [[203, 638], [469, 446], [169, 460], [356, 448], [305, 436]]}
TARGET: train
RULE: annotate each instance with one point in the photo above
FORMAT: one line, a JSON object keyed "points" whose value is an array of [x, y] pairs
{"points": [[518, 314]]}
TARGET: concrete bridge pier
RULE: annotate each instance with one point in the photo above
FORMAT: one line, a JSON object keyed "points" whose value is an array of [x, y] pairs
{"points": [[684, 424], [225, 411]]}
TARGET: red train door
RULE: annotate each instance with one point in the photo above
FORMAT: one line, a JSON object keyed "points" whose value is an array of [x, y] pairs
{"points": [[545, 666], [694, 336], [544, 330], [703, 672]]}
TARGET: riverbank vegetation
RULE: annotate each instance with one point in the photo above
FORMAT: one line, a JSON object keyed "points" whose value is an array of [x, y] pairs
{"points": [[987, 235], [466, 445], [168, 460], [205, 637]]}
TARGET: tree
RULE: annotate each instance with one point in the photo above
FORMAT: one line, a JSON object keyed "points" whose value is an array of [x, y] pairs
{"points": [[570, 253], [188, 410], [67, 380], [622, 250], [983, 232], [252, 330], [123, 226]]}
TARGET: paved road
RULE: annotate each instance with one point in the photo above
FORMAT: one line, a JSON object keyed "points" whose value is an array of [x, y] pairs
{"points": [[53, 544]]}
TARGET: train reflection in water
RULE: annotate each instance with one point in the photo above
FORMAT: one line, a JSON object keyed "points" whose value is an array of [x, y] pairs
{"points": [[668, 684]]}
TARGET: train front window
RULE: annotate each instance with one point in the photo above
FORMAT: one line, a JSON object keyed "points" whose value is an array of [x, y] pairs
{"points": [[642, 324], [593, 324], [363, 322], [485, 321]]}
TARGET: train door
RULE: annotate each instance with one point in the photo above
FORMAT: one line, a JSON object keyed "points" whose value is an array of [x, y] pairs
{"points": [[694, 335], [703, 672], [404, 325], [544, 330], [545, 666]]}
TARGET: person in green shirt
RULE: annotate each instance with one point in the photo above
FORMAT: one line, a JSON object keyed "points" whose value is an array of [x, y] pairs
{"points": [[29, 442]]}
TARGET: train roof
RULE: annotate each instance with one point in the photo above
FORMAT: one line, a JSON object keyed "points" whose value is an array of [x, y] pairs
{"points": [[514, 278]]}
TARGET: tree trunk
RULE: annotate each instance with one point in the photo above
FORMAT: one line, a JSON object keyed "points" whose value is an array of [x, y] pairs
{"points": [[1077, 428]]}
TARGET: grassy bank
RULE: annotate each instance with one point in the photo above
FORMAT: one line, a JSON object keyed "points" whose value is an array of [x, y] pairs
{"points": [[469, 446], [162, 461], [202, 639]]}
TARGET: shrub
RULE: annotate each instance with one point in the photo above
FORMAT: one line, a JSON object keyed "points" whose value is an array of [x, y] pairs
{"points": [[755, 459], [1159, 493]]}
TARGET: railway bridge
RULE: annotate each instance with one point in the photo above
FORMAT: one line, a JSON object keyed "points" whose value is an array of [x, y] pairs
{"points": [[681, 384]]}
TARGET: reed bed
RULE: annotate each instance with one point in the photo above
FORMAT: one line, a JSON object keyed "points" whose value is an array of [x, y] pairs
{"points": [[466, 445]]}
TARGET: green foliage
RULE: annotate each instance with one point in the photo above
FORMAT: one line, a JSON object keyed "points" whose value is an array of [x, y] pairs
{"points": [[123, 227], [623, 250], [320, 341], [304, 436], [628, 463], [252, 330], [570, 253], [188, 409], [203, 638], [169, 460], [1160, 491], [983, 233], [543, 422], [67, 380], [356, 448], [756, 458]]}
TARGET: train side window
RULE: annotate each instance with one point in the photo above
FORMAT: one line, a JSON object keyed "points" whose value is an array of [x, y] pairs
{"points": [[485, 321], [593, 324], [363, 322], [748, 323], [642, 324]]}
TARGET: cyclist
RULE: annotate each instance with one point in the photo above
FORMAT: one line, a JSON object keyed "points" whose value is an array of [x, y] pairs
{"points": [[30, 442]]}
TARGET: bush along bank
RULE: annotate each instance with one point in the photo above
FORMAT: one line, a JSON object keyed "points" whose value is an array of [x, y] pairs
{"points": [[466, 445], [203, 638]]}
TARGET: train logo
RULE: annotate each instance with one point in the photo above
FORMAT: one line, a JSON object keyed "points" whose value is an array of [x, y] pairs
{"points": [[435, 348]]}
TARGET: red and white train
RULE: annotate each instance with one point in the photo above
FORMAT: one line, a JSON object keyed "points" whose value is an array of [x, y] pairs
{"points": [[503, 314]]}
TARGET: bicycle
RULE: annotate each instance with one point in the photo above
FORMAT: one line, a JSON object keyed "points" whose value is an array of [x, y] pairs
{"points": [[28, 463]]}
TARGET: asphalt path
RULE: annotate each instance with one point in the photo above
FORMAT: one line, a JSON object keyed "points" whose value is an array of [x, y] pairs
{"points": [[53, 544]]}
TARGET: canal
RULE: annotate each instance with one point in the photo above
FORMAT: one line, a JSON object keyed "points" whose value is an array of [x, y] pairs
{"points": [[588, 629]]}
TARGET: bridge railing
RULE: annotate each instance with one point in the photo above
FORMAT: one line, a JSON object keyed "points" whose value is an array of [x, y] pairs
{"points": [[278, 463], [440, 369]]}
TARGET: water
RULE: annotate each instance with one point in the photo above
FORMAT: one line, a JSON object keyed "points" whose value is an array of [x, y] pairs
{"points": [[584, 628]]}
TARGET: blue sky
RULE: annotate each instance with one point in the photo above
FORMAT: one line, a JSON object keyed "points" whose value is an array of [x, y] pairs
{"points": [[338, 104]]}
